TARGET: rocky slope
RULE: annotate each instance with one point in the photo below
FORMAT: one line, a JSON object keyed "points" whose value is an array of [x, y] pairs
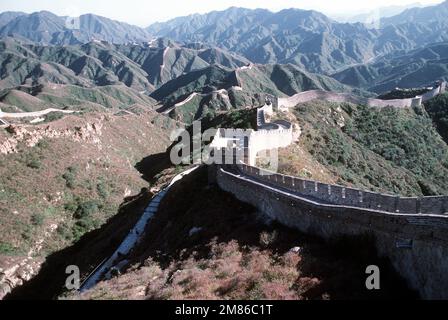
{"points": [[62, 180]]}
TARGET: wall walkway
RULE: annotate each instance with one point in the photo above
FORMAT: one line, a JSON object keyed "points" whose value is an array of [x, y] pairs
{"points": [[307, 96]]}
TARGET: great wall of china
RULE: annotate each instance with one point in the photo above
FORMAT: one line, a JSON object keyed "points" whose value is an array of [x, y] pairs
{"points": [[306, 96], [411, 232]]}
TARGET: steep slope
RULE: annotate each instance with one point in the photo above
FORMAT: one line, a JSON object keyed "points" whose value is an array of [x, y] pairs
{"points": [[85, 65], [134, 70], [62, 180], [8, 16], [437, 109], [73, 98], [412, 69], [216, 247], [164, 60], [266, 37], [281, 80], [140, 67]]}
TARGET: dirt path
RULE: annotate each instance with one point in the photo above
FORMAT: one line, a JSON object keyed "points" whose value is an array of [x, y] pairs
{"points": [[32, 114]]}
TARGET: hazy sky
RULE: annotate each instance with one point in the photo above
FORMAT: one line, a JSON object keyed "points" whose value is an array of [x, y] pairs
{"points": [[144, 12]]}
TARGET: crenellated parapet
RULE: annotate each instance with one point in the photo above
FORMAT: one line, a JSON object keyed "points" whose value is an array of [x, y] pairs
{"points": [[306, 96], [345, 196], [410, 231], [416, 244]]}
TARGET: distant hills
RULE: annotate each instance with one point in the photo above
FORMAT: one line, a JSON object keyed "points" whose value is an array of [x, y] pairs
{"points": [[412, 69], [419, 15], [47, 28], [307, 38], [372, 18], [121, 75], [204, 92], [289, 51], [130, 72], [142, 67]]}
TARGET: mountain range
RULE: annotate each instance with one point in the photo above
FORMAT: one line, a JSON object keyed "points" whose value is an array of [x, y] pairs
{"points": [[131, 70], [122, 75], [47, 28], [410, 69], [203, 54], [307, 38]]}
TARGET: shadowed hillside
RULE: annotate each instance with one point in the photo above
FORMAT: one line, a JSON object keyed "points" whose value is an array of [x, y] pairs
{"points": [[219, 248]]}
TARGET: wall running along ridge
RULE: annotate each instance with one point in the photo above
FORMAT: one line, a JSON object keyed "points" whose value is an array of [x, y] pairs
{"points": [[307, 96], [411, 232], [416, 244]]}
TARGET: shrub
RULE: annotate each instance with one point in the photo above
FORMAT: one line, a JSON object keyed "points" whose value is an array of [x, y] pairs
{"points": [[53, 116], [86, 209], [83, 226], [34, 164], [71, 206], [6, 248], [64, 231], [38, 219], [103, 190], [70, 177]]}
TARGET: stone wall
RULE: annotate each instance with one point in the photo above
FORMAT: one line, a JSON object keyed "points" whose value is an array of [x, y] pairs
{"points": [[306, 96], [278, 134], [340, 195], [416, 244], [434, 92]]}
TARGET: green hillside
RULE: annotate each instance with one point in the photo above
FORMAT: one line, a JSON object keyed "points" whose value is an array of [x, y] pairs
{"points": [[389, 150]]}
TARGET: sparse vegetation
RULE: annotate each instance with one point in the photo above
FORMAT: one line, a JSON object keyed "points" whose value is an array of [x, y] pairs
{"points": [[437, 109], [59, 178], [70, 177], [237, 256], [387, 150], [6, 248]]}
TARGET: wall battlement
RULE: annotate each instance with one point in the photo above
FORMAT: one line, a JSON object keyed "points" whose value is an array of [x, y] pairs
{"points": [[422, 262], [345, 196], [332, 211], [269, 136], [302, 97]]}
